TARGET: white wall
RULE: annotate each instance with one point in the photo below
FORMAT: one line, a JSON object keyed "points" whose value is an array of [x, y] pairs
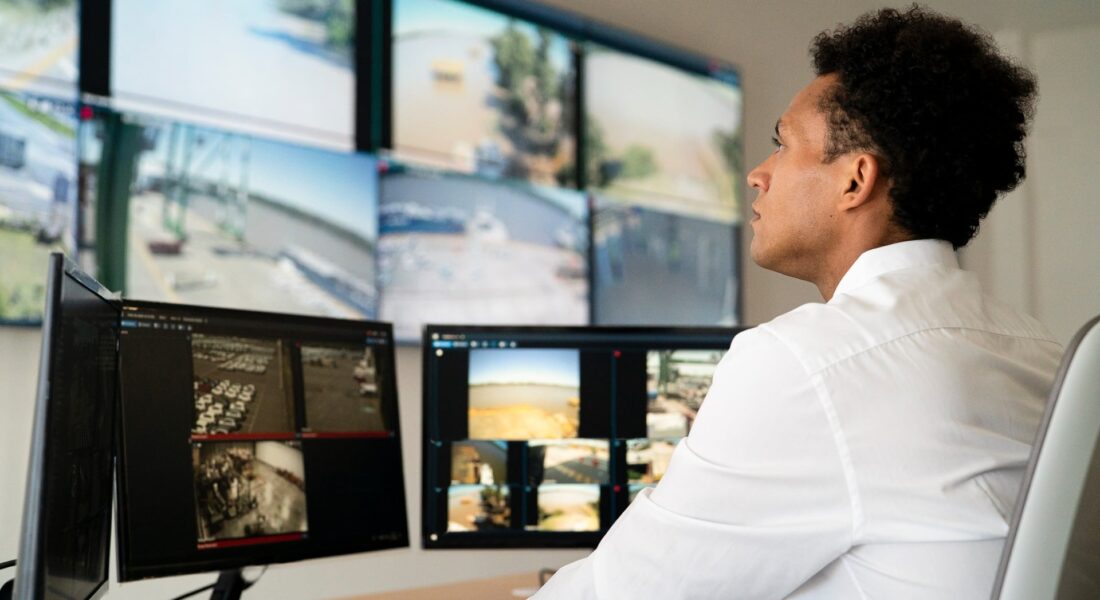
{"points": [[1039, 249]]}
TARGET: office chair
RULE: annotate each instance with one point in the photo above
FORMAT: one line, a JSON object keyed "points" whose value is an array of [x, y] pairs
{"points": [[1053, 545]]}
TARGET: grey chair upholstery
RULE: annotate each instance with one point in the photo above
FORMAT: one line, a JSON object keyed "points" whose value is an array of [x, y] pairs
{"points": [[1053, 545]]}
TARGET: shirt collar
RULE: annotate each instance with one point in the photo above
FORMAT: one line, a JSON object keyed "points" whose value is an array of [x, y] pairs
{"points": [[895, 257]]}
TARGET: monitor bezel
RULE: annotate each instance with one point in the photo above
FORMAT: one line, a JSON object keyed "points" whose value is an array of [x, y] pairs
{"points": [[521, 539], [31, 558], [260, 554]]}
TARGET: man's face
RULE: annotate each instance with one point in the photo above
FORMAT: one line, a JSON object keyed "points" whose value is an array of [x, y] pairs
{"points": [[794, 218]]}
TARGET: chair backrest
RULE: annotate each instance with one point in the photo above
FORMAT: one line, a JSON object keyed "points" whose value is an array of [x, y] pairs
{"points": [[1053, 545]]}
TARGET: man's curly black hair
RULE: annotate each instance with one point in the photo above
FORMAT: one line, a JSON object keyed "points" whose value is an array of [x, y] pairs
{"points": [[936, 103]]}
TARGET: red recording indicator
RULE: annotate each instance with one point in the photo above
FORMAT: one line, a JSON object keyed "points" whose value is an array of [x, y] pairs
{"points": [[86, 113], [618, 489], [343, 435], [271, 539], [618, 354]]}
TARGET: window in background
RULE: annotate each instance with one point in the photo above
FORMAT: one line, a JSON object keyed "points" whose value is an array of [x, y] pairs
{"points": [[478, 92], [460, 249], [37, 197], [280, 68]]}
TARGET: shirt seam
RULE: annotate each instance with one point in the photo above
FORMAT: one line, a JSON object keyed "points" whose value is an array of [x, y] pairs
{"points": [[839, 442], [855, 580]]}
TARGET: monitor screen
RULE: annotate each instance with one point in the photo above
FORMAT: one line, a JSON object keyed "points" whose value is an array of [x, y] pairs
{"points": [[476, 91], [253, 438], [64, 548], [281, 68], [38, 45], [225, 219], [37, 197], [641, 257], [460, 249], [662, 137], [541, 436]]}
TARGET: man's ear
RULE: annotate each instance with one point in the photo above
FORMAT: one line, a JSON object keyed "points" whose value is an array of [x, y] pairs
{"points": [[862, 175]]}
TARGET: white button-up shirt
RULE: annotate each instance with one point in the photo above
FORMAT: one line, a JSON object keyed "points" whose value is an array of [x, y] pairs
{"points": [[871, 447]]}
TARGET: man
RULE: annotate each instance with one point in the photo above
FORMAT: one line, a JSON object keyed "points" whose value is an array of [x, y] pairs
{"points": [[871, 446]]}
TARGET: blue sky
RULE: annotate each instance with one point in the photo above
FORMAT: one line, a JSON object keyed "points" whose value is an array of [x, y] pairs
{"points": [[525, 365], [412, 16]]}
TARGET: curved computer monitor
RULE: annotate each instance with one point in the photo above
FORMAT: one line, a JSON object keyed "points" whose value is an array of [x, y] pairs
{"points": [[541, 436], [251, 438], [66, 533]]}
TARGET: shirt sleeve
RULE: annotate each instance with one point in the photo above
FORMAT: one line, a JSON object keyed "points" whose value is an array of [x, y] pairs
{"points": [[755, 501]]}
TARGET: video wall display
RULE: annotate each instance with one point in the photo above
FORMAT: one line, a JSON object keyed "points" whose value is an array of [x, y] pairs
{"points": [[224, 219], [541, 436], [642, 258], [661, 137], [476, 91], [254, 437], [282, 68], [38, 180], [461, 249], [38, 47]]}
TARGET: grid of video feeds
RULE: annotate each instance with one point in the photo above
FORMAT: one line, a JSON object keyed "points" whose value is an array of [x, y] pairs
{"points": [[37, 194], [220, 218], [500, 90], [278, 429], [461, 249], [542, 436], [278, 68]]}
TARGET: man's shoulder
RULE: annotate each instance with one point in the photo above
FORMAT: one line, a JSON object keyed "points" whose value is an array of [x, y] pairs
{"points": [[823, 334]]}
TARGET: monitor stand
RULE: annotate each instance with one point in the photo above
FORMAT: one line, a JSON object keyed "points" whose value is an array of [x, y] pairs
{"points": [[229, 586]]}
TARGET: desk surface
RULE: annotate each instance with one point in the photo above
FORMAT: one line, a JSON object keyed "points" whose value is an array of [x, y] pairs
{"points": [[497, 588]]}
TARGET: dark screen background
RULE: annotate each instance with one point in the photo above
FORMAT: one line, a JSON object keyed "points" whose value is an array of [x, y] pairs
{"points": [[354, 486]]}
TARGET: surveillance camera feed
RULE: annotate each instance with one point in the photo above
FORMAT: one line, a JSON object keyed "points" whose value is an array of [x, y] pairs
{"points": [[541, 436], [664, 161], [522, 393], [37, 194], [641, 258], [251, 438], [460, 249], [475, 91], [342, 386], [280, 68], [224, 219], [248, 489], [240, 385], [662, 137], [38, 44]]}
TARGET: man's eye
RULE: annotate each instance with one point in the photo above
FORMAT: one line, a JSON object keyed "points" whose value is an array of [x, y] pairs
{"points": [[777, 143]]}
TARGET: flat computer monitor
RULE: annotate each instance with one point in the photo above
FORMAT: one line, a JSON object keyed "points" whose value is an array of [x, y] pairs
{"points": [[254, 438], [66, 533], [541, 436]]}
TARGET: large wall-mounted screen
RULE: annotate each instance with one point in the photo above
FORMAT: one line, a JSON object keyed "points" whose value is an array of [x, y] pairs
{"points": [[478, 92], [37, 197], [226, 219], [281, 68], [38, 46], [461, 249]]}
